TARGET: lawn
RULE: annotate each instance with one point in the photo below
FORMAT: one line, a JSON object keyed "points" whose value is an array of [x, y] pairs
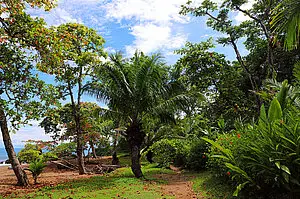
{"points": [[209, 186], [122, 184], [119, 184]]}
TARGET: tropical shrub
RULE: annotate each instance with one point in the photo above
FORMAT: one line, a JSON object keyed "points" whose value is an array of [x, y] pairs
{"points": [[197, 155], [173, 151], [29, 153], [36, 167], [65, 149], [191, 154], [234, 141], [103, 147], [266, 156], [48, 156]]}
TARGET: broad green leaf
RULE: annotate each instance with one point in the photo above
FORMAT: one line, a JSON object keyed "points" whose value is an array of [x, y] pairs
{"points": [[239, 188], [286, 169], [238, 170], [277, 164], [221, 157], [282, 95], [227, 152], [263, 114], [275, 112]]}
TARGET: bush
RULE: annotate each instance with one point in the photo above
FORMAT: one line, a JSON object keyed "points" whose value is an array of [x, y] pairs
{"points": [[197, 155], [65, 149], [29, 153], [103, 148], [189, 154], [168, 152], [36, 167], [49, 156], [265, 156]]}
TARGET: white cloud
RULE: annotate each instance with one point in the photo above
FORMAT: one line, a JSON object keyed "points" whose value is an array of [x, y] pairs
{"points": [[146, 10], [110, 50], [151, 37], [240, 17], [33, 132], [152, 23], [55, 17]]}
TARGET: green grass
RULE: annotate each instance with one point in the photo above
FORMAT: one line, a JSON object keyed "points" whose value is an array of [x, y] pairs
{"points": [[209, 186], [119, 184], [122, 184]]}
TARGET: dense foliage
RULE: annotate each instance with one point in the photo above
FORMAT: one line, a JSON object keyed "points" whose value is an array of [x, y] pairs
{"points": [[239, 118]]}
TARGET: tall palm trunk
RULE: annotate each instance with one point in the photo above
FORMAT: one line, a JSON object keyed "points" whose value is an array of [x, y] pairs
{"points": [[19, 172], [135, 138], [115, 159]]}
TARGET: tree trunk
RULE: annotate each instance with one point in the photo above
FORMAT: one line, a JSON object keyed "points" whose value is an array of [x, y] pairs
{"points": [[93, 149], [135, 161], [149, 156], [80, 157], [135, 138], [16, 166], [76, 116], [115, 159]]}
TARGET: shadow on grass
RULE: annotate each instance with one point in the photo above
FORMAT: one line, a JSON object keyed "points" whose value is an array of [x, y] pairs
{"points": [[208, 186]]}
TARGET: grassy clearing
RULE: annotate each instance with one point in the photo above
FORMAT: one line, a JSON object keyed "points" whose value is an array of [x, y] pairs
{"points": [[119, 184], [208, 186]]}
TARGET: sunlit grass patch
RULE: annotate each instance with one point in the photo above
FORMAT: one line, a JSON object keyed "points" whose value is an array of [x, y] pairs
{"points": [[119, 184], [209, 186]]}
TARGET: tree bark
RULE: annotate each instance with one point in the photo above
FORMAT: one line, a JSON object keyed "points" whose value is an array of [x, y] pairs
{"points": [[115, 159], [135, 161], [135, 138], [16, 166], [149, 156], [79, 140], [80, 158]]}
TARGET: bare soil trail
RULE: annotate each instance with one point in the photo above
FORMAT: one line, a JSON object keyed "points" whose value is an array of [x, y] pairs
{"points": [[179, 186]]}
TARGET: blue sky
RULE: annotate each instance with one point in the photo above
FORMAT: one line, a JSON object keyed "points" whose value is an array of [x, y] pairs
{"points": [[126, 25]]}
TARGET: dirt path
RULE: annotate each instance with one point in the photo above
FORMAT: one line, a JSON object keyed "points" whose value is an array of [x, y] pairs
{"points": [[178, 185]]}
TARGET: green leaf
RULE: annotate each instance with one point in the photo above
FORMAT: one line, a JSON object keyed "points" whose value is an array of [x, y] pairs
{"points": [[277, 164], [221, 157], [227, 152], [238, 170], [263, 114], [286, 176], [239, 188], [288, 140], [275, 112], [282, 95], [286, 169]]}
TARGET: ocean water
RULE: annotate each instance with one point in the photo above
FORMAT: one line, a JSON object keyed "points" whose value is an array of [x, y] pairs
{"points": [[3, 154]]}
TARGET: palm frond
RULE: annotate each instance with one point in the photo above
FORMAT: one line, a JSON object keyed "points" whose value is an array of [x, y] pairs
{"points": [[286, 20]]}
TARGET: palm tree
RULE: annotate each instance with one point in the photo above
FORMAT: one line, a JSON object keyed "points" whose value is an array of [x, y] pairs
{"points": [[286, 20], [134, 88]]}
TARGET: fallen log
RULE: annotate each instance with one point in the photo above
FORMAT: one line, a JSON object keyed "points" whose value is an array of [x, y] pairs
{"points": [[63, 166], [102, 168], [69, 164]]}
